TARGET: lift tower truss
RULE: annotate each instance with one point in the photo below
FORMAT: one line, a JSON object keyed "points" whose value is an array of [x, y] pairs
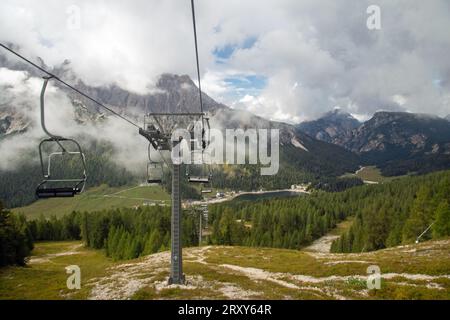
{"points": [[158, 130]]}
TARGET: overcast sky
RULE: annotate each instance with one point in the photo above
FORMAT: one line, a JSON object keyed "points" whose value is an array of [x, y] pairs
{"points": [[287, 60]]}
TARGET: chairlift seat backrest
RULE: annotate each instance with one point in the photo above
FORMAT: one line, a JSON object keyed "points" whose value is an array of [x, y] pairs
{"points": [[47, 189], [154, 172]]}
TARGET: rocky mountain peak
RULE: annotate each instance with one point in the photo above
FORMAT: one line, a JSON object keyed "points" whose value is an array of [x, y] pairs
{"points": [[401, 136], [169, 80], [334, 126]]}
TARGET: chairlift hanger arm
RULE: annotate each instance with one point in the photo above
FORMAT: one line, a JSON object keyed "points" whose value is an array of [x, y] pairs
{"points": [[149, 137], [42, 100], [197, 58]]}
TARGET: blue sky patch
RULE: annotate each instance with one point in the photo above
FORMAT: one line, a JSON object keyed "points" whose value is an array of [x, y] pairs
{"points": [[249, 42], [246, 84], [225, 52]]}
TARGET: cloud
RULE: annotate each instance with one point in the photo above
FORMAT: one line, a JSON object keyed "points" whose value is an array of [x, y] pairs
{"points": [[127, 44], [327, 57], [314, 55], [20, 92]]}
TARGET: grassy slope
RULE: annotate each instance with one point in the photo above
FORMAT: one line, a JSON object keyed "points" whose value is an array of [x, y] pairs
{"points": [[235, 272], [46, 279], [342, 227], [94, 199], [371, 173]]}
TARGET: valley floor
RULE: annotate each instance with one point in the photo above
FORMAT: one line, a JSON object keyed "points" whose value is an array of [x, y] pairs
{"points": [[213, 272], [371, 175]]}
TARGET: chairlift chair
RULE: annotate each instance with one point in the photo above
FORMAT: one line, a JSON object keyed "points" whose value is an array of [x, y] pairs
{"points": [[198, 179], [203, 177], [58, 187], [155, 170], [207, 187]]}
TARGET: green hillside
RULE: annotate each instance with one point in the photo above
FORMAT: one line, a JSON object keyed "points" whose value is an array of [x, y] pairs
{"points": [[96, 199]]}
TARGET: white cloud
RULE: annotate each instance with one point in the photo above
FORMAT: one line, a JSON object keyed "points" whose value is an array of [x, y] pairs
{"points": [[21, 92], [314, 54]]}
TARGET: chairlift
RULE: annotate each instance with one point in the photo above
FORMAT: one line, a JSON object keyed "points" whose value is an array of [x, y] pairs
{"points": [[155, 170], [200, 173], [203, 173], [58, 187], [198, 179]]}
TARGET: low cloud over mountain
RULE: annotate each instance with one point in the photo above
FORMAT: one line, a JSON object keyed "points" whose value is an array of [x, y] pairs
{"points": [[284, 60]]}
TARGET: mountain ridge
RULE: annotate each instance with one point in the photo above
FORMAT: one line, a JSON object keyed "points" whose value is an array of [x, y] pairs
{"points": [[335, 126], [397, 142]]}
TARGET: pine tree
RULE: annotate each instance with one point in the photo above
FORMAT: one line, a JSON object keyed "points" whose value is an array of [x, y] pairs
{"points": [[420, 216], [441, 227], [15, 241]]}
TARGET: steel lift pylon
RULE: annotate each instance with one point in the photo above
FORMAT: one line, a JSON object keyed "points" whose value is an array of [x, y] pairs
{"points": [[161, 140]]}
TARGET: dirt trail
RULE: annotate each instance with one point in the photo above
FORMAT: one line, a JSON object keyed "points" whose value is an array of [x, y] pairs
{"points": [[322, 245], [304, 282], [46, 258]]}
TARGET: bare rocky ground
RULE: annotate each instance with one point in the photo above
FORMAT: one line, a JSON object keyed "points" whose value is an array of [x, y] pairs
{"points": [[127, 279], [214, 279], [417, 271]]}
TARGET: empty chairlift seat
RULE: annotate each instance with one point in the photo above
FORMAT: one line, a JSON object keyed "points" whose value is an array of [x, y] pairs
{"points": [[154, 172], [61, 187]]}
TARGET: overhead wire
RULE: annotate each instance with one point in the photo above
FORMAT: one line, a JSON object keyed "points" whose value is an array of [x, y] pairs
{"points": [[196, 57], [198, 75]]}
